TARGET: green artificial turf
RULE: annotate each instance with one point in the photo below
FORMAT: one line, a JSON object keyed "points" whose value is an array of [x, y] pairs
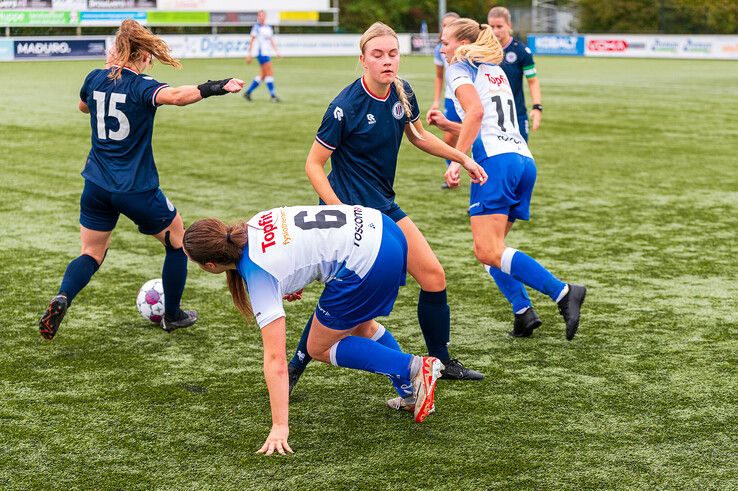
{"points": [[637, 197]]}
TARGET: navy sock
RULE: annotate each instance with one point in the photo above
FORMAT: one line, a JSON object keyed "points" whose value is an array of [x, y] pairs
{"points": [[512, 289], [173, 278], [434, 317], [301, 358], [78, 274]]}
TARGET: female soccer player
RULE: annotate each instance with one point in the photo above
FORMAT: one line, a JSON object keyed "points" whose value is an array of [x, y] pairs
{"points": [[360, 255], [485, 102], [120, 174], [517, 62], [261, 34], [361, 134], [439, 84]]}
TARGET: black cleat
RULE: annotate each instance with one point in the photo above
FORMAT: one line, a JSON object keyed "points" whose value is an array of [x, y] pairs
{"points": [[455, 370], [569, 307], [445, 185], [276, 99], [247, 96], [49, 322], [185, 318], [294, 375], [525, 324]]}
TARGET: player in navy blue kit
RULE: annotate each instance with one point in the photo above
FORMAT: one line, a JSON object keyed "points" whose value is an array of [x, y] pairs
{"points": [[485, 102], [120, 174], [361, 134], [517, 63]]}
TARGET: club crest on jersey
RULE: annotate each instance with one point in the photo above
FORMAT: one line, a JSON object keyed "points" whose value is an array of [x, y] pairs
{"points": [[511, 57], [398, 111]]}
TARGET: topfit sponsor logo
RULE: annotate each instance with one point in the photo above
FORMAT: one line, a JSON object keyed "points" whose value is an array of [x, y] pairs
{"points": [[498, 81], [267, 222], [47, 48]]}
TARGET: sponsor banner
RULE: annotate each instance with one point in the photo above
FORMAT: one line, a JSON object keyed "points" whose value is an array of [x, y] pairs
{"points": [[56, 48], [543, 44], [650, 46], [241, 5], [6, 49], [184, 18], [25, 4], [233, 17], [110, 18], [36, 18], [299, 17], [423, 43], [120, 4]]}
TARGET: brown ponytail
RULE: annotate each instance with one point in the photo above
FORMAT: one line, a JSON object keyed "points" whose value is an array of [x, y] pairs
{"points": [[211, 241], [132, 41]]}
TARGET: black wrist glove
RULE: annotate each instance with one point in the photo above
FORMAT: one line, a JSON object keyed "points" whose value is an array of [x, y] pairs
{"points": [[213, 87]]}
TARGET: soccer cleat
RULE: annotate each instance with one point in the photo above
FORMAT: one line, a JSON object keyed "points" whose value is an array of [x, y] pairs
{"points": [[570, 306], [49, 322], [276, 99], [294, 375], [185, 318], [445, 185], [455, 370], [525, 324], [424, 387], [247, 96], [401, 404]]}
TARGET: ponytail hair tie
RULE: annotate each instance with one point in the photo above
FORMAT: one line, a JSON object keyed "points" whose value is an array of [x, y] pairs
{"points": [[228, 236]]}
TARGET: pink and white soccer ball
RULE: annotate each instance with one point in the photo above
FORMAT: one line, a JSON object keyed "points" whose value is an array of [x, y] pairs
{"points": [[150, 300]]}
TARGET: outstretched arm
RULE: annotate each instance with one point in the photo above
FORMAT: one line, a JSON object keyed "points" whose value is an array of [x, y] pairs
{"points": [[275, 373], [189, 94]]}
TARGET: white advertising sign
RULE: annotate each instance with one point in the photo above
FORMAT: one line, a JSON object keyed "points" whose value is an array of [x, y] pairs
{"points": [[650, 46], [241, 5]]}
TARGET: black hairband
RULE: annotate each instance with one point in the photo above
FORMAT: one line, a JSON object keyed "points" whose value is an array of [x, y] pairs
{"points": [[228, 237]]}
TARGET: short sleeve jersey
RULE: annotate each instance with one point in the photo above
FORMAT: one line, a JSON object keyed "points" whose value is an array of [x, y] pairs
{"points": [[440, 60], [518, 62], [262, 39], [500, 131], [364, 131], [122, 120], [289, 248]]}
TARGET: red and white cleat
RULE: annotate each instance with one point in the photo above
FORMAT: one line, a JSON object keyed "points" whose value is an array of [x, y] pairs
{"points": [[424, 387]]}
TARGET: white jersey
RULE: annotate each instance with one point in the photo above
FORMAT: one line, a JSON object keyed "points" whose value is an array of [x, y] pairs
{"points": [[499, 132], [262, 34], [289, 248]]}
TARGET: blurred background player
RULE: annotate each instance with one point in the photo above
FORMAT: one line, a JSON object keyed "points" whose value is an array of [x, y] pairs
{"points": [[280, 251], [361, 134], [120, 173], [484, 100], [262, 35], [517, 62], [439, 84]]}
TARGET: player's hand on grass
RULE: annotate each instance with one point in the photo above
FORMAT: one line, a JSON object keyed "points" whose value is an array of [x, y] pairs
{"points": [[291, 297], [535, 119], [276, 441], [234, 85], [453, 175]]}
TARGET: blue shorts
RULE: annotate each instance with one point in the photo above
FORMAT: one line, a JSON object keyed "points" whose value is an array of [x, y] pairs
{"points": [[508, 190], [349, 300], [263, 59], [523, 125], [450, 111], [100, 209]]}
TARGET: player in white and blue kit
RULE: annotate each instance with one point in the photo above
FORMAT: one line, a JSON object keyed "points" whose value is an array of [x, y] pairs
{"points": [[484, 100], [120, 173], [361, 257], [262, 37], [361, 134]]}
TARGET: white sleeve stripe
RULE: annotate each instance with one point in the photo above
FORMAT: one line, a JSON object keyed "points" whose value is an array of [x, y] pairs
{"points": [[153, 97], [273, 316], [416, 118], [329, 147]]}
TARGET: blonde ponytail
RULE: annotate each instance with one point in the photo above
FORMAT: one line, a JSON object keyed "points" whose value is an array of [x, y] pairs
{"points": [[483, 46]]}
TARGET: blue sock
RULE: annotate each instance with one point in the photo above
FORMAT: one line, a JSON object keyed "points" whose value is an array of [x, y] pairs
{"points": [[364, 354], [385, 338], [254, 84], [269, 81], [301, 358], [526, 269], [78, 274], [173, 278], [434, 318], [513, 290]]}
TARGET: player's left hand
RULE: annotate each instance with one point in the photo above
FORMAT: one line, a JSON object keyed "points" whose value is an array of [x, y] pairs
{"points": [[234, 85], [291, 297], [476, 171], [276, 441], [453, 175], [535, 119]]}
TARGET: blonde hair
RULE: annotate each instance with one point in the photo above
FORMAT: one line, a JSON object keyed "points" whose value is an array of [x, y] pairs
{"points": [[500, 13], [133, 40], [483, 46], [376, 30], [447, 15]]}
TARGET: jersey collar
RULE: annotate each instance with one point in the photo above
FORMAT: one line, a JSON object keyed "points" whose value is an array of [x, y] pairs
{"points": [[128, 68], [375, 96]]}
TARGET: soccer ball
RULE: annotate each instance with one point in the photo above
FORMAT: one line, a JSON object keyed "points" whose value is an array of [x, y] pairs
{"points": [[150, 301]]}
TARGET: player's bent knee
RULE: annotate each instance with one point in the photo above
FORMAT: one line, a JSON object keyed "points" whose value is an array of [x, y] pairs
{"points": [[489, 256]]}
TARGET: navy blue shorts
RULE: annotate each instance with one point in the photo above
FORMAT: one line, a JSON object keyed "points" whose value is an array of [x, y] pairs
{"points": [[349, 300], [100, 209], [450, 111], [508, 190], [263, 59], [394, 211]]}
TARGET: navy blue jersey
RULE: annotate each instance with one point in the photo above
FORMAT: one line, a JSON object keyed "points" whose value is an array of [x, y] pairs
{"points": [[364, 132], [122, 120], [518, 61]]}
